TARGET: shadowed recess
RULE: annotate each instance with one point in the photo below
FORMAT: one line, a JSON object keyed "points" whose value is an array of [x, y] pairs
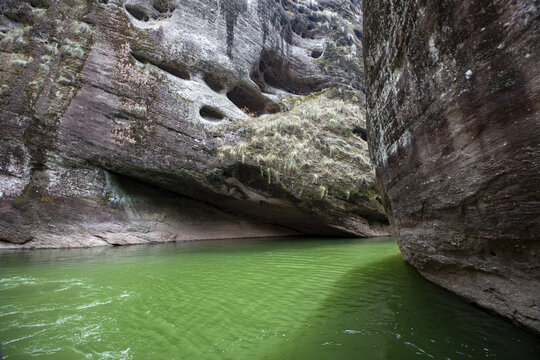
{"points": [[275, 71], [175, 69], [214, 82], [137, 12], [251, 101], [211, 113]]}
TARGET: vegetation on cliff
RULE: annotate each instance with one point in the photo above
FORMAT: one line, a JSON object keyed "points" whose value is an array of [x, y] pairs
{"points": [[316, 149]]}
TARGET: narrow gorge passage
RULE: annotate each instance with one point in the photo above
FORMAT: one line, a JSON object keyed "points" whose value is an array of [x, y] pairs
{"points": [[304, 179]]}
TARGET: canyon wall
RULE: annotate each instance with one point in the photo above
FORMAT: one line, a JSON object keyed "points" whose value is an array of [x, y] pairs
{"points": [[158, 120], [453, 95]]}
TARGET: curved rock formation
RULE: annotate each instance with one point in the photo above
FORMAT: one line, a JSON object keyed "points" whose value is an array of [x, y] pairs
{"points": [[453, 91], [117, 117]]}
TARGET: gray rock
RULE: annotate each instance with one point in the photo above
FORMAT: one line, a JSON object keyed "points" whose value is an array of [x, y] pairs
{"points": [[453, 113], [152, 92]]}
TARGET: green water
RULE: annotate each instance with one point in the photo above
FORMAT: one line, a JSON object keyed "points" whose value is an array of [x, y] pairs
{"points": [[256, 299]]}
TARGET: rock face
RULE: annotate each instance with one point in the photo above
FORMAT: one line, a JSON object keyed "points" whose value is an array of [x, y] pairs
{"points": [[453, 107], [118, 117]]}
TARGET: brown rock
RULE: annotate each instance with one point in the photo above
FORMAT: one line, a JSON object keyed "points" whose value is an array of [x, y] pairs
{"points": [[453, 107], [152, 91]]}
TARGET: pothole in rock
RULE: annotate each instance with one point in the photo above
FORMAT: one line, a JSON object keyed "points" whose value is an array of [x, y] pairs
{"points": [[251, 101], [305, 31], [159, 9], [211, 113], [137, 12], [213, 82], [360, 132], [177, 70], [274, 71], [164, 6], [316, 54]]}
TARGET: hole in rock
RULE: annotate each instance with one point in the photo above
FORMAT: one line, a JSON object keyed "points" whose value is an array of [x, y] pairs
{"points": [[251, 101], [360, 132], [296, 27], [272, 77], [303, 30], [137, 12], [177, 70], [273, 70], [213, 82], [316, 54], [164, 6], [211, 113], [288, 5], [358, 33], [174, 70]]}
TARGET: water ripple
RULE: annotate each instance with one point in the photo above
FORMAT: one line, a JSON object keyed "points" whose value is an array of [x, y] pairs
{"points": [[272, 299]]}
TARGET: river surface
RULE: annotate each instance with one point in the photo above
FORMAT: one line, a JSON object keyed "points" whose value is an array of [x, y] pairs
{"points": [[240, 299]]}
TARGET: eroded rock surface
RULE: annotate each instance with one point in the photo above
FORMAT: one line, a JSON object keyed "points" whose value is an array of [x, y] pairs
{"points": [[115, 114], [453, 107]]}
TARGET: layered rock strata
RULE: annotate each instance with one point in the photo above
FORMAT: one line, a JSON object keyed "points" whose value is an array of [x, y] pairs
{"points": [[453, 95]]}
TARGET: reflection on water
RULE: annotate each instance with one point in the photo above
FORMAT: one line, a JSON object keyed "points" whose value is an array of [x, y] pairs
{"points": [[256, 299]]}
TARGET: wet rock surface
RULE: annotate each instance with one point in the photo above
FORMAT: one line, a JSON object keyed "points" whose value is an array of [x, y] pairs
{"points": [[106, 103], [453, 106]]}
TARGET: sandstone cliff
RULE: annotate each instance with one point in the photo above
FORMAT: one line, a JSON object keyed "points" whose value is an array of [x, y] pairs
{"points": [[453, 91], [160, 120]]}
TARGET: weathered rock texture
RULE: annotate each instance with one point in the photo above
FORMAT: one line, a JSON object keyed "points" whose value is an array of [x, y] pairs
{"points": [[116, 117], [453, 95]]}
